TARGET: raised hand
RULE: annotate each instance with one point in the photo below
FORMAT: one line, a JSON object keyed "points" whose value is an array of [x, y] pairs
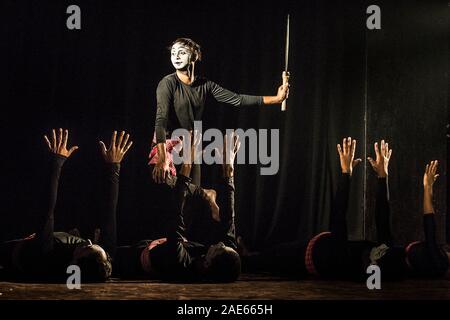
{"points": [[381, 163], [58, 143], [117, 148], [347, 155], [430, 176]]}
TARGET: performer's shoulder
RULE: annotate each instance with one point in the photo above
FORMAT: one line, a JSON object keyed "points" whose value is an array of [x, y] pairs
{"points": [[168, 80]]}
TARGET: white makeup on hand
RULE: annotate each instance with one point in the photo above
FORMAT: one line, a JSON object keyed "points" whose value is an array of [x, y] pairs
{"points": [[180, 56]]}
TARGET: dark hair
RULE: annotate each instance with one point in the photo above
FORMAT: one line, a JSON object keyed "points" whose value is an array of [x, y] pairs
{"points": [[94, 268], [225, 267], [192, 45]]}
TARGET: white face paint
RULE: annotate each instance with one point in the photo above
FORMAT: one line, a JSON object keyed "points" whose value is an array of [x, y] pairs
{"points": [[180, 56]]}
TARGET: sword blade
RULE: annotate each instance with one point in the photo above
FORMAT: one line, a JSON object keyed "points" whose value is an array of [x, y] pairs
{"points": [[286, 49]]}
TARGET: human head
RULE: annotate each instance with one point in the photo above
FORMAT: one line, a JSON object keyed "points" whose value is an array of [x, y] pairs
{"points": [[419, 262], [94, 262], [184, 52], [222, 263]]}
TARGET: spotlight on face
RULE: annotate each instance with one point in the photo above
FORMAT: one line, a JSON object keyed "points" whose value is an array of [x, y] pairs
{"points": [[180, 55]]}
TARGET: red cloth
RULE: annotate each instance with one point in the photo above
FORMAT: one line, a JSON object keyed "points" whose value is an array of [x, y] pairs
{"points": [[309, 261], [145, 254], [407, 249]]}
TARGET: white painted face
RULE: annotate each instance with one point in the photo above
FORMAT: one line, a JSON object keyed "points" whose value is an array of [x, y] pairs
{"points": [[180, 56]]}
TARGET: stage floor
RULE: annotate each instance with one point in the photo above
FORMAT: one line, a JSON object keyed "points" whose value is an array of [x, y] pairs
{"points": [[248, 287]]}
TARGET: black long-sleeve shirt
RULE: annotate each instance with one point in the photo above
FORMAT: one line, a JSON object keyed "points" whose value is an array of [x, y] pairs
{"points": [[180, 104], [428, 259], [108, 220]]}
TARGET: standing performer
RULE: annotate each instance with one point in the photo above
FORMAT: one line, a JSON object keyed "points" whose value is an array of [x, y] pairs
{"points": [[181, 97]]}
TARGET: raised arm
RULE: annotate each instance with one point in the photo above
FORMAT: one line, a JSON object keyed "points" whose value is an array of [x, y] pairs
{"points": [[338, 222], [57, 145], [113, 156], [435, 257], [175, 222], [382, 210], [429, 224], [231, 147]]}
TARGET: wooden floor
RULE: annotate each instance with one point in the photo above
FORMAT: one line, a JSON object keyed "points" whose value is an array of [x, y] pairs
{"points": [[259, 287]]}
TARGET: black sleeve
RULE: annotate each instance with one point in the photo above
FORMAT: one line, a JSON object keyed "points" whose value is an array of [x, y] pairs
{"points": [[439, 259], [383, 212], [175, 228], [237, 100], [108, 235], [338, 221], [164, 99], [227, 226], [47, 203]]}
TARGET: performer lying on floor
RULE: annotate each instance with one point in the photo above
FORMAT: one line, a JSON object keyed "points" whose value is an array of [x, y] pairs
{"points": [[331, 255], [176, 257], [46, 254]]}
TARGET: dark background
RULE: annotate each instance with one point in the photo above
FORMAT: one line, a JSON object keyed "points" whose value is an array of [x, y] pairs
{"points": [[345, 80]]}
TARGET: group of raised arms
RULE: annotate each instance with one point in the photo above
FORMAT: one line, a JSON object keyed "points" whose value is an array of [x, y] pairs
{"points": [[331, 255], [46, 254]]}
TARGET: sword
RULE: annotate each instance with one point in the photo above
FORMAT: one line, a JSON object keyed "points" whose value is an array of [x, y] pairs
{"points": [[285, 75]]}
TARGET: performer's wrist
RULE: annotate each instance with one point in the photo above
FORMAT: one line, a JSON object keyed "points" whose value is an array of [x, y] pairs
{"points": [[228, 171], [271, 100]]}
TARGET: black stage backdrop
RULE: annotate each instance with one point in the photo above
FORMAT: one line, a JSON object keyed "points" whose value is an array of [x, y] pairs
{"points": [[346, 80]]}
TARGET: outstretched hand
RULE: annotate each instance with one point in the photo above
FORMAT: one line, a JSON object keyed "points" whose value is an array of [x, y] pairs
{"points": [[58, 143], [381, 163], [117, 148], [347, 155]]}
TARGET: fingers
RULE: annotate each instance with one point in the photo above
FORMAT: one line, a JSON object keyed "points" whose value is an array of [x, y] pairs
{"points": [[119, 143], [124, 142], [372, 162], [102, 147], [339, 149], [353, 148], [54, 139], [356, 161], [65, 137], [237, 142], [433, 167], [48, 142], [389, 154], [154, 176], [127, 147], [238, 146], [72, 150], [60, 134], [113, 140], [377, 151], [383, 148]]}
